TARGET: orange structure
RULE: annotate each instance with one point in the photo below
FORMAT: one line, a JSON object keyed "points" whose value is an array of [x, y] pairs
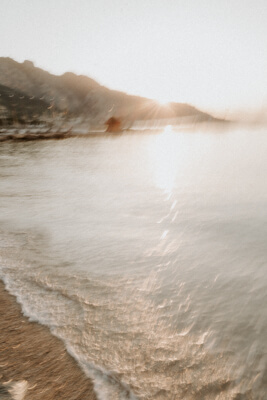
{"points": [[113, 125]]}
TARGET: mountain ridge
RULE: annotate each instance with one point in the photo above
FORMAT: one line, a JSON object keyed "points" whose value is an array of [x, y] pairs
{"points": [[44, 96]]}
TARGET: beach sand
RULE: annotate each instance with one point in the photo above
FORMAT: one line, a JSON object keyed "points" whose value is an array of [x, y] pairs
{"points": [[29, 352]]}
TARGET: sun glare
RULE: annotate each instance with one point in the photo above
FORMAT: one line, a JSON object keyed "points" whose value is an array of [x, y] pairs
{"points": [[163, 101], [168, 130], [164, 159]]}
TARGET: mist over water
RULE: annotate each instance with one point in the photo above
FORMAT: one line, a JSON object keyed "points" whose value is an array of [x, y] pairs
{"points": [[146, 254]]}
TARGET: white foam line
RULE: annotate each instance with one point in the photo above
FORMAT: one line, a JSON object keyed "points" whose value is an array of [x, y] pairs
{"points": [[17, 390]]}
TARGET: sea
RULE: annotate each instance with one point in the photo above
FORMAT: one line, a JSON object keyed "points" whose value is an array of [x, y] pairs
{"points": [[146, 254]]}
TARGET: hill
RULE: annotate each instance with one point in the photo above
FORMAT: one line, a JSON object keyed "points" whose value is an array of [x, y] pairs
{"points": [[31, 94]]}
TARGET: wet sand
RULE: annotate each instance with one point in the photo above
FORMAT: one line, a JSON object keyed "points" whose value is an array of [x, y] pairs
{"points": [[28, 351]]}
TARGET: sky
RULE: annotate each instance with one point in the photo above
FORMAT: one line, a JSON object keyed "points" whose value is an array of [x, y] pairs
{"points": [[209, 53]]}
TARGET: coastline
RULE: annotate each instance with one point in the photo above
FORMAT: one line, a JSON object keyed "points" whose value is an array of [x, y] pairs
{"points": [[29, 352]]}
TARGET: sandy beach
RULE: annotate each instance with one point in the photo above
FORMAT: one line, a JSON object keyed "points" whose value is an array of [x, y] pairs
{"points": [[29, 352]]}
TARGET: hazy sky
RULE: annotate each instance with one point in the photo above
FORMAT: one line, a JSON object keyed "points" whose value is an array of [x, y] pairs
{"points": [[212, 53]]}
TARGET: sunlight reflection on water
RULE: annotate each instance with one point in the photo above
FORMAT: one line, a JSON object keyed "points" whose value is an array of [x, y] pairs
{"points": [[164, 158]]}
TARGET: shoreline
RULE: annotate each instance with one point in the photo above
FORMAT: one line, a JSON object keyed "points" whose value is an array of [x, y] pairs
{"points": [[29, 352], [57, 135]]}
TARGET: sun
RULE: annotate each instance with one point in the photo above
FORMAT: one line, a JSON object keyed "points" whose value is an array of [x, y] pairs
{"points": [[163, 101]]}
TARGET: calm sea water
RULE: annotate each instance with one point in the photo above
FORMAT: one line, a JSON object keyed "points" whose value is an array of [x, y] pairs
{"points": [[146, 254]]}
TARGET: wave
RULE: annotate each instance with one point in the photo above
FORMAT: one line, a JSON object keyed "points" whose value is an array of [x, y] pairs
{"points": [[119, 341], [107, 384]]}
